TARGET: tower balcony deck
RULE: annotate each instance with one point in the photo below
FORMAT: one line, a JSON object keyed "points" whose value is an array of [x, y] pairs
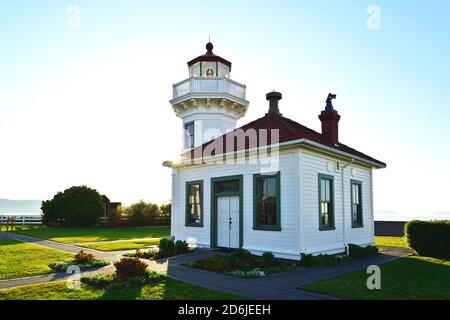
{"points": [[208, 86]]}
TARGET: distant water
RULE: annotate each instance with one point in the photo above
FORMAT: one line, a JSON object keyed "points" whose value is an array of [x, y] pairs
{"points": [[395, 216], [21, 214]]}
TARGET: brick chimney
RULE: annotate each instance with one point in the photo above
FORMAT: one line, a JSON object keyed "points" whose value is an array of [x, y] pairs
{"points": [[330, 121], [273, 98]]}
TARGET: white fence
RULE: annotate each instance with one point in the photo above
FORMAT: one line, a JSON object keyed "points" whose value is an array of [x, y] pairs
{"points": [[25, 219]]}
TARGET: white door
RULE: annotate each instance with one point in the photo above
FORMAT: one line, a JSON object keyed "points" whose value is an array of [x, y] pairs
{"points": [[228, 222]]}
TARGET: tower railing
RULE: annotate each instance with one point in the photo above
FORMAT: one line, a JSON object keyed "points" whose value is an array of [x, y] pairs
{"points": [[200, 85]]}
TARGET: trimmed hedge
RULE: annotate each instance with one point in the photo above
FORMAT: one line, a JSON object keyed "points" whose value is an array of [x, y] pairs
{"points": [[429, 238]]}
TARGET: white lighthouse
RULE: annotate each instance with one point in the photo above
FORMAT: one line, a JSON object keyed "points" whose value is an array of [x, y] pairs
{"points": [[208, 102]]}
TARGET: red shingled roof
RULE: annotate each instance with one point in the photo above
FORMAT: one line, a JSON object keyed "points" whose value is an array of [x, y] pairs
{"points": [[289, 130]]}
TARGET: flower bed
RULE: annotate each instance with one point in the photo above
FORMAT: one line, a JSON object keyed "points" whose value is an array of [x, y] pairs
{"points": [[242, 264], [83, 260]]}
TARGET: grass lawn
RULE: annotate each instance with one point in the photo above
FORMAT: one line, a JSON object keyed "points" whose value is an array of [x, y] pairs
{"points": [[18, 259], [74, 235], [122, 245], [413, 277], [167, 289], [391, 242]]}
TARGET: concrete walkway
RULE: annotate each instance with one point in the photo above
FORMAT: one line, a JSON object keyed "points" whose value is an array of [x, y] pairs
{"points": [[279, 286]]}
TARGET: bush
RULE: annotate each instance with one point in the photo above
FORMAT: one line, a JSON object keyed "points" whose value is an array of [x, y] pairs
{"points": [[74, 207], [242, 259], [181, 247], [166, 248], [130, 267], [216, 263], [149, 254], [358, 252], [429, 238], [83, 257], [268, 259], [306, 259], [321, 260], [142, 214]]}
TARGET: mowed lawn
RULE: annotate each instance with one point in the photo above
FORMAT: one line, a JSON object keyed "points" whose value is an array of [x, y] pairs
{"points": [[391, 242], [413, 277], [18, 259], [122, 245], [78, 235], [167, 289]]}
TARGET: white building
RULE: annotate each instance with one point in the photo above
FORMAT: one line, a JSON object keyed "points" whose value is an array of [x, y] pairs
{"points": [[271, 185]]}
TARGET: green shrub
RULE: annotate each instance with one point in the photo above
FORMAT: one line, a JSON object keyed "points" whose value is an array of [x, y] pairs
{"points": [[130, 267], [166, 248], [429, 238], [321, 260], [372, 250], [150, 254], [216, 263], [268, 259], [306, 259], [242, 259], [181, 247], [74, 207], [83, 257], [358, 252]]}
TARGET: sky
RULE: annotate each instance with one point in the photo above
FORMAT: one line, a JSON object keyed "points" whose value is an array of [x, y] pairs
{"points": [[85, 88]]}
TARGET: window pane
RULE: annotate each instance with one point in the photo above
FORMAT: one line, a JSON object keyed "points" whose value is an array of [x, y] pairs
{"points": [[267, 200], [227, 186], [322, 190], [326, 202], [189, 138], [194, 203]]}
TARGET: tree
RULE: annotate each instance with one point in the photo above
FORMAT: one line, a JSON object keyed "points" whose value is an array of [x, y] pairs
{"points": [[142, 214], [74, 207]]}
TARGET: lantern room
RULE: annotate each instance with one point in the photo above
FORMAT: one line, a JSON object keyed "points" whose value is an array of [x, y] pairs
{"points": [[209, 65]]}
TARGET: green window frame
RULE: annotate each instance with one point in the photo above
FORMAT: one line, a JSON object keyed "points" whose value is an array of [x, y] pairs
{"points": [[326, 202], [258, 202], [356, 203], [194, 204]]}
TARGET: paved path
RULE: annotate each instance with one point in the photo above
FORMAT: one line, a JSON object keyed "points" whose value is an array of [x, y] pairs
{"points": [[279, 286]]}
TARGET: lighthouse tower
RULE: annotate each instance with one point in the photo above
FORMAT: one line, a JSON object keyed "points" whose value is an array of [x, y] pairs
{"points": [[208, 102]]}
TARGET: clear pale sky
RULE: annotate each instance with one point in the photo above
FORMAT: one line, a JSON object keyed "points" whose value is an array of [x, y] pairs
{"points": [[89, 105]]}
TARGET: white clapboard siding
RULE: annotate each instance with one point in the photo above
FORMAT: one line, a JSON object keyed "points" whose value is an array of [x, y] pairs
{"points": [[281, 243], [331, 241], [299, 170]]}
